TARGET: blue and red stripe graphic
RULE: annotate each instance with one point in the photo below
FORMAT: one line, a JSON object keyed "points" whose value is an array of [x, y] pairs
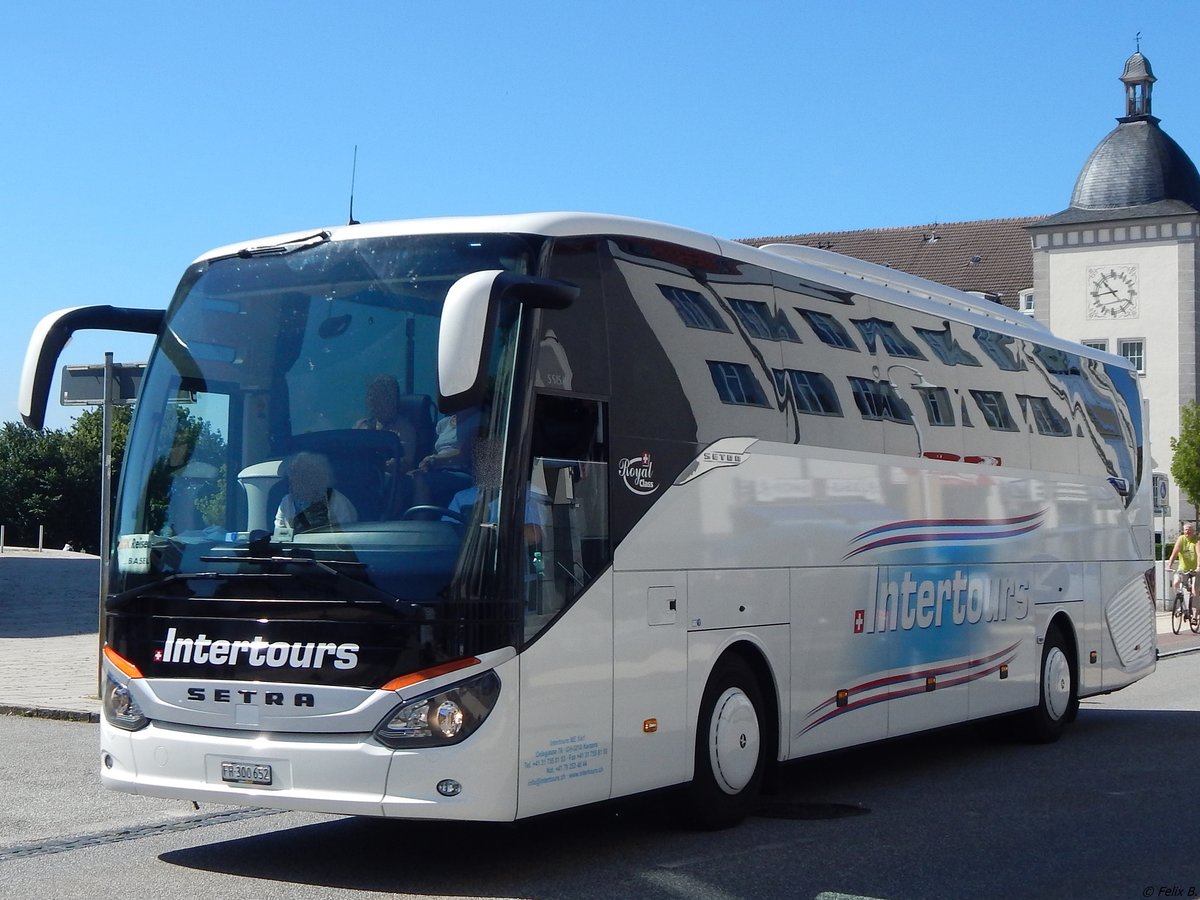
{"points": [[944, 532], [907, 684]]}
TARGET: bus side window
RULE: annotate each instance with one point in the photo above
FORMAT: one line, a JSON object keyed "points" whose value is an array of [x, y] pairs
{"points": [[569, 478]]}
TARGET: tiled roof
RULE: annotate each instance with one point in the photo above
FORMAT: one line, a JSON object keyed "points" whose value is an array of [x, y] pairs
{"points": [[993, 256], [1075, 216]]}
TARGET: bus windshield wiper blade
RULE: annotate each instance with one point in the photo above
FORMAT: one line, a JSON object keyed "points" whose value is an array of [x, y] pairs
{"points": [[359, 590], [143, 589], [351, 589], [282, 249]]}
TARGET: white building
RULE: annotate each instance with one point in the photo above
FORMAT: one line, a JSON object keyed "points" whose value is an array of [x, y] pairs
{"points": [[1117, 269]]}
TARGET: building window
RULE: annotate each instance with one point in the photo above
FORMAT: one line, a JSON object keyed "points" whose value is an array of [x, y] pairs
{"points": [[994, 408], [1135, 352], [1046, 418], [693, 308], [937, 405], [879, 400], [755, 318], [828, 329], [812, 392], [735, 383], [758, 320], [1102, 407], [1056, 361], [1096, 345], [890, 336], [945, 347], [997, 346]]}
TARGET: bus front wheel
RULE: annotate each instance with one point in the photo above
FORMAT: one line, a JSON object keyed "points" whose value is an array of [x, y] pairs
{"points": [[730, 750], [1058, 691]]}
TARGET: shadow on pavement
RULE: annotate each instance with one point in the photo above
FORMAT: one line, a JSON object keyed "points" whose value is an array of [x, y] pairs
{"points": [[49, 596], [976, 789]]}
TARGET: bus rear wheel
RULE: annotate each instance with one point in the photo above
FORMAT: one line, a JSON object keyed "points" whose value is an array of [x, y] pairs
{"points": [[730, 750], [1058, 691]]}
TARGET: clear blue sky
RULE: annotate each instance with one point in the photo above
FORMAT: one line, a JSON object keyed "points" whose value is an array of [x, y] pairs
{"points": [[138, 135]]}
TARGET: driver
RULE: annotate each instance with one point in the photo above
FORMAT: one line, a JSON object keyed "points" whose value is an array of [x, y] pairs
{"points": [[311, 501]]}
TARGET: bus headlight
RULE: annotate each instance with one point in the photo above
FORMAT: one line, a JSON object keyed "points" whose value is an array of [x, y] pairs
{"points": [[120, 709], [444, 717]]}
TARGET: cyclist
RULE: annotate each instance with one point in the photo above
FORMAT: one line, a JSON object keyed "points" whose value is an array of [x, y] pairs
{"points": [[1185, 550]]}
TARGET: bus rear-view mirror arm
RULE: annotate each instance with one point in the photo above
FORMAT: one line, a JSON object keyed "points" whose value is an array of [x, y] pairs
{"points": [[51, 336], [469, 318]]}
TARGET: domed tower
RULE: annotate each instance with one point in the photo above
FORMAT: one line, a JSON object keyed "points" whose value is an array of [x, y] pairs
{"points": [[1118, 268], [1137, 166]]}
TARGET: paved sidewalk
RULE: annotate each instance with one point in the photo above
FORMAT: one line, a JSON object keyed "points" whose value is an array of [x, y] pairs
{"points": [[49, 615], [1171, 644], [49, 610]]}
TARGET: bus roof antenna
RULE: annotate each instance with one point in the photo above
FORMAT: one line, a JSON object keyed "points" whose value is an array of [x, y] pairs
{"points": [[353, 173]]}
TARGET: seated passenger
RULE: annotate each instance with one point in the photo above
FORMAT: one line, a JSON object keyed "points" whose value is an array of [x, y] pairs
{"points": [[486, 459], [383, 414], [311, 501], [445, 445], [444, 471]]}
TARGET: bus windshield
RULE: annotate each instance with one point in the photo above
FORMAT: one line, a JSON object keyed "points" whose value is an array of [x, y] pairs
{"points": [[288, 424]]}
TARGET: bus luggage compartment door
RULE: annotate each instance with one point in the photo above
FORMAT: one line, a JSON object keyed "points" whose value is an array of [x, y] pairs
{"points": [[650, 740]]}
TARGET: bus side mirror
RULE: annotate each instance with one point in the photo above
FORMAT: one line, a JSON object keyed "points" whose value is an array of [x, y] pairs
{"points": [[52, 334], [469, 318]]}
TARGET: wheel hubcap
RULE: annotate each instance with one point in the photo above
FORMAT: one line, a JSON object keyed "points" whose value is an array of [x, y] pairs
{"points": [[1056, 685], [734, 741]]}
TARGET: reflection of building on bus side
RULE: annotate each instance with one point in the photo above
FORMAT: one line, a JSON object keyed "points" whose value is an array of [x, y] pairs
{"points": [[846, 388]]}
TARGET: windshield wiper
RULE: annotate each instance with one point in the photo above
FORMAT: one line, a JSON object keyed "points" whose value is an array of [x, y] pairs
{"points": [[292, 246], [350, 589], [354, 589], [142, 590]]}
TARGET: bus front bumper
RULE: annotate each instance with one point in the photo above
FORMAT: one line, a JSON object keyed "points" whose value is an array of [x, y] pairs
{"points": [[342, 774]]}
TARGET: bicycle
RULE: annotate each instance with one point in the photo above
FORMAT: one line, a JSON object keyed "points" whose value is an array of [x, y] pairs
{"points": [[1185, 584]]}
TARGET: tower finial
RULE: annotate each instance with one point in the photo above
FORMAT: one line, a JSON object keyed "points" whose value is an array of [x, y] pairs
{"points": [[1138, 41], [1138, 79]]}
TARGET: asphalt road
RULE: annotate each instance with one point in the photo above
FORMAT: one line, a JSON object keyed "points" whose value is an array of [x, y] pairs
{"points": [[1101, 814]]}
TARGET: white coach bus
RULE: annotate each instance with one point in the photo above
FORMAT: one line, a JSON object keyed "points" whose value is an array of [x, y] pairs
{"points": [[482, 518]]}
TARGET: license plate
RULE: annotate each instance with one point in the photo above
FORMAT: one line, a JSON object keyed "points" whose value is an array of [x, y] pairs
{"points": [[245, 773]]}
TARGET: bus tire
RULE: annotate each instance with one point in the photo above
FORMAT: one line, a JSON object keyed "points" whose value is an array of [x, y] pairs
{"points": [[730, 750], [1058, 691]]}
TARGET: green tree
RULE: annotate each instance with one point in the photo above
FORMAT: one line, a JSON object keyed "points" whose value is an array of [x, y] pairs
{"points": [[1185, 453], [31, 483], [81, 492], [52, 478]]}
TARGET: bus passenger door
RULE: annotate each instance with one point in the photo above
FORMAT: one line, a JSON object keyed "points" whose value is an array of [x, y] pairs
{"points": [[650, 734], [566, 669]]}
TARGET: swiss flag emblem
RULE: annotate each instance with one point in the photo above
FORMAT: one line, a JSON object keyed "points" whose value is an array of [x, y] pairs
{"points": [[860, 618]]}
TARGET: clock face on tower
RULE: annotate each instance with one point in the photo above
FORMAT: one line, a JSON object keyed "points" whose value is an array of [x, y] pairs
{"points": [[1112, 292]]}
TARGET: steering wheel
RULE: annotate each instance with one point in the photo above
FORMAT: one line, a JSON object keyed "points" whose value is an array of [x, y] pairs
{"points": [[430, 512]]}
